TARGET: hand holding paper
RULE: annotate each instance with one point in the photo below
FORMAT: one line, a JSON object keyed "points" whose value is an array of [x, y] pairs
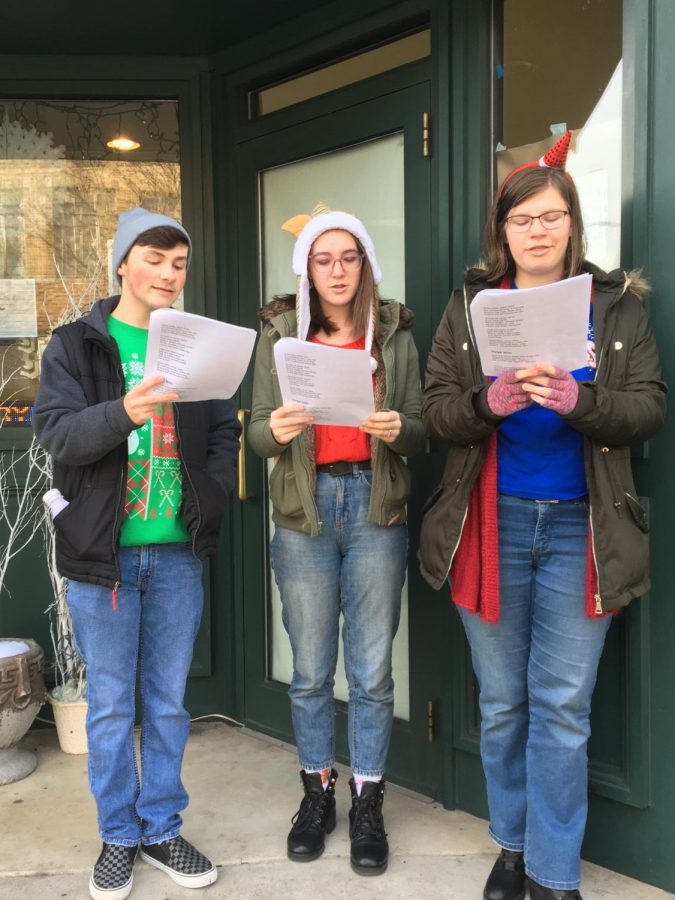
{"points": [[288, 421], [506, 395], [553, 388], [140, 404]]}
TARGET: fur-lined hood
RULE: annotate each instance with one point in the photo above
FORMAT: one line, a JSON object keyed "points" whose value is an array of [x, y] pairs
{"points": [[284, 303], [618, 279]]}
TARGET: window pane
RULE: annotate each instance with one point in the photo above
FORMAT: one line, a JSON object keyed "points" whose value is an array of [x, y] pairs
{"points": [[566, 72], [347, 71], [61, 189]]}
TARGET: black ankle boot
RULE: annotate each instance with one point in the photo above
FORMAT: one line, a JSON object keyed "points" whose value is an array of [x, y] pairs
{"points": [[370, 850], [506, 881], [539, 892], [315, 818]]}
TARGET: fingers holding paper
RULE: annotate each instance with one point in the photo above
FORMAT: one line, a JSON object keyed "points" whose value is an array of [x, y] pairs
{"points": [[287, 422], [551, 387], [506, 395], [141, 402], [385, 425]]}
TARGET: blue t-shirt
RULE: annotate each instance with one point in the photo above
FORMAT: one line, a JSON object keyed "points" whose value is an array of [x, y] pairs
{"points": [[540, 456]]}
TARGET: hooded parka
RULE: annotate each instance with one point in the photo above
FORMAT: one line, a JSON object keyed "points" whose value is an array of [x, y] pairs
{"points": [[624, 406], [293, 478]]}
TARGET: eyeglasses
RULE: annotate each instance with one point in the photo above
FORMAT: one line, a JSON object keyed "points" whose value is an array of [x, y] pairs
{"points": [[550, 220], [349, 261]]}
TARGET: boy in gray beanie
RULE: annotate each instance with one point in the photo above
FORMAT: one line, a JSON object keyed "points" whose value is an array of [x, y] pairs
{"points": [[146, 479]]}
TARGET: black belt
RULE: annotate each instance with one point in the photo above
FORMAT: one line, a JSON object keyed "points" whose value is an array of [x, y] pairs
{"points": [[344, 468]]}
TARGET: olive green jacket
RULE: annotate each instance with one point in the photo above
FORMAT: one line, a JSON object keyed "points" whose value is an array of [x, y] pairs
{"points": [[624, 405], [293, 478]]}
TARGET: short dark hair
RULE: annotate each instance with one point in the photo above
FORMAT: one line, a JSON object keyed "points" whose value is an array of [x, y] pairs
{"points": [[366, 298], [164, 237], [497, 259]]}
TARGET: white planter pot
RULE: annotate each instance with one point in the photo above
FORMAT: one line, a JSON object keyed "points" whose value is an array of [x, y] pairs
{"points": [[70, 718]]}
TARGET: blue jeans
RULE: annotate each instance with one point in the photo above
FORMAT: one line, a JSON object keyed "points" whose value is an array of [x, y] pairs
{"points": [[537, 669], [159, 607], [357, 569]]}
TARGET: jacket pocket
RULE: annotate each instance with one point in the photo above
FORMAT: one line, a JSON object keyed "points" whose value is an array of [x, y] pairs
{"points": [[206, 510], [84, 529], [433, 498], [284, 492], [638, 512]]}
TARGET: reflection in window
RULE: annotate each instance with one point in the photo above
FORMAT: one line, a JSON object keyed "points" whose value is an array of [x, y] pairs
{"points": [[548, 82], [12, 258], [62, 187]]}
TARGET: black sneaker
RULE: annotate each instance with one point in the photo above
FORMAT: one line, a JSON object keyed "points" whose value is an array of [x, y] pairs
{"points": [[182, 862], [113, 875]]}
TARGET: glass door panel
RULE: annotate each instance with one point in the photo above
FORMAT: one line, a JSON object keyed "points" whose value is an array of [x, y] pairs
{"points": [[366, 180]]}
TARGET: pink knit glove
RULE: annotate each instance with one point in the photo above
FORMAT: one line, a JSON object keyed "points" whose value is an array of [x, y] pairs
{"points": [[564, 393], [506, 395]]}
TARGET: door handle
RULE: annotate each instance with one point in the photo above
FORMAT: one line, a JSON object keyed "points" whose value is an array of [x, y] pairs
{"points": [[243, 493]]}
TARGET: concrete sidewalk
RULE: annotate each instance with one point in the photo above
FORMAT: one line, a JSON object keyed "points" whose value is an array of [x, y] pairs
{"points": [[244, 789]]}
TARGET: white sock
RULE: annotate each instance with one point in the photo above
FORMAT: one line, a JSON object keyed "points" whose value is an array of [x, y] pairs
{"points": [[359, 779]]}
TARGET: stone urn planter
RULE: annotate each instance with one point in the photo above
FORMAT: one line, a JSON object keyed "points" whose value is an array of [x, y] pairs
{"points": [[22, 693]]}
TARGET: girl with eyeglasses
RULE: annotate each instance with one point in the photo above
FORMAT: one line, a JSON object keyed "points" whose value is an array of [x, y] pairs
{"points": [[537, 524], [340, 540]]}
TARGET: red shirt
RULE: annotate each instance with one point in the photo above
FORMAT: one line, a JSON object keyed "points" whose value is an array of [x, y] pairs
{"points": [[341, 443]]}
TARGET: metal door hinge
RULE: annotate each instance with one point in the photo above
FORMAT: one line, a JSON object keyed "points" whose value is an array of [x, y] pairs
{"points": [[431, 709], [426, 134]]}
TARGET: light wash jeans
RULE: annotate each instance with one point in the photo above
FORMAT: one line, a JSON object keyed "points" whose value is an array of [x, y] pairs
{"points": [[357, 569], [537, 669], [159, 607]]}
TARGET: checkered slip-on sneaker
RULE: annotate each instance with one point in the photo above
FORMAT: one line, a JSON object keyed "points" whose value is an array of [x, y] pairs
{"points": [[113, 875], [182, 862]]}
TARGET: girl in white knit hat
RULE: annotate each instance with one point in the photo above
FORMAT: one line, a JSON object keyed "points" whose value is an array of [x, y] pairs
{"points": [[339, 506]]}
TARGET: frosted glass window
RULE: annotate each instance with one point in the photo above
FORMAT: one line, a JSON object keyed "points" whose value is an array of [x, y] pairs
{"points": [[366, 180]]}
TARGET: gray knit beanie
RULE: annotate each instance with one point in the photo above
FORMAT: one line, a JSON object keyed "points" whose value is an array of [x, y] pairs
{"points": [[132, 224]]}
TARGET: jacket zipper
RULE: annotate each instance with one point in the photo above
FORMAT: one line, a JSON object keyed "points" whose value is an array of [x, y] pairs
{"points": [[598, 596], [382, 479], [184, 469], [120, 495]]}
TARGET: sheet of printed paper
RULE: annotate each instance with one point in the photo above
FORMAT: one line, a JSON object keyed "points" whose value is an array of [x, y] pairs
{"points": [[517, 328], [201, 358], [334, 385]]}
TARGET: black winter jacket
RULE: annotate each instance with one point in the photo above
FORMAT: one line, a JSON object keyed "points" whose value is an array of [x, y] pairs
{"points": [[80, 420], [624, 405]]}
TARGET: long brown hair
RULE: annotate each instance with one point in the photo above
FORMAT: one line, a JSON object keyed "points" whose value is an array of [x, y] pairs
{"points": [[366, 297], [497, 258]]}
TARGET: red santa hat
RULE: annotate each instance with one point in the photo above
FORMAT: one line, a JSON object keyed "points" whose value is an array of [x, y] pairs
{"points": [[555, 158]]}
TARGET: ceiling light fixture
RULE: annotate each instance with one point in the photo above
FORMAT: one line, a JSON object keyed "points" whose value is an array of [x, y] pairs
{"points": [[123, 143]]}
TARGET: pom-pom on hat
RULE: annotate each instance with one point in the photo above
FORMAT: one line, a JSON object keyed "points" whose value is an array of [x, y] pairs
{"points": [[555, 158], [307, 229], [132, 224]]}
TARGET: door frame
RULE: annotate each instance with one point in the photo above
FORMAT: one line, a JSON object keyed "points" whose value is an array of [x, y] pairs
{"points": [[415, 761]]}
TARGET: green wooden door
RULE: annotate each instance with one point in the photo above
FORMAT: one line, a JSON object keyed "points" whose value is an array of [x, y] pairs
{"points": [[379, 140]]}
